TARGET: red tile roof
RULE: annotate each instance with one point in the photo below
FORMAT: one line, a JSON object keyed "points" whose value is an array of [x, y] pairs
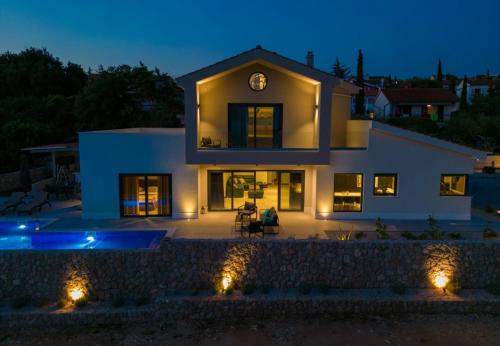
{"points": [[420, 95]]}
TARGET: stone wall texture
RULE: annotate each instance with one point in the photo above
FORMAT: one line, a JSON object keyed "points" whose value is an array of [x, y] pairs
{"points": [[184, 265]]}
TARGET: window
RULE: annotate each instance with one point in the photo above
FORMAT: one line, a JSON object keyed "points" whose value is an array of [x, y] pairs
{"points": [[453, 185], [254, 126], [257, 81], [145, 195], [385, 184], [347, 191]]}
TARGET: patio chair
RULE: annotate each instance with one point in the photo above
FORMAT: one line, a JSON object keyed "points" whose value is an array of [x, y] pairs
{"points": [[244, 216], [14, 200], [39, 200], [270, 221]]}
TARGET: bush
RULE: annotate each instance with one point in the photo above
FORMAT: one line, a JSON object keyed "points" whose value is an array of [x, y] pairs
{"points": [[20, 302], [142, 300], [453, 287], [409, 236], [433, 230], [489, 233], [248, 289], [304, 289], [324, 289], [455, 236], [381, 230], [493, 288], [341, 235], [490, 209], [489, 170], [118, 302], [83, 301], [399, 289], [359, 235]]}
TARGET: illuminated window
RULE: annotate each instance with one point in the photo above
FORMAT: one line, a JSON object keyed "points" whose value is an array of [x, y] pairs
{"points": [[347, 192], [453, 185], [145, 195], [385, 184], [257, 81]]}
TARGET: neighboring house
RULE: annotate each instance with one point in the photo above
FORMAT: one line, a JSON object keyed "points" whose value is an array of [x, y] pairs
{"points": [[434, 103], [475, 87], [266, 129], [371, 93]]}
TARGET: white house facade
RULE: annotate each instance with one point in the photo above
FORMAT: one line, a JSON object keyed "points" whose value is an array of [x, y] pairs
{"points": [[265, 129]]}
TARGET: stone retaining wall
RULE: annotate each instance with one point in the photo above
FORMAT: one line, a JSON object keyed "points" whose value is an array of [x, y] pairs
{"points": [[199, 264]]}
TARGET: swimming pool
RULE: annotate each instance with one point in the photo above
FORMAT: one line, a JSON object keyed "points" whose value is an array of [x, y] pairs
{"points": [[23, 224], [80, 240]]}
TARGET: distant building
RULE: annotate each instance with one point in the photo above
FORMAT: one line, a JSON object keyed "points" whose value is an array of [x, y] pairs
{"points": [[475, 87], [433, 103]]}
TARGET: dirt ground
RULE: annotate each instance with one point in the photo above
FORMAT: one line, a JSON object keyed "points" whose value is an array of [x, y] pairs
{"points": [[372, 330]]}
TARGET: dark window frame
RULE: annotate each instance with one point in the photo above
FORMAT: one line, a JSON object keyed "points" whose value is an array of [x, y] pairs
{"points": [[396, 188], [279, 171], [466, 190], [362, 193], [145, 175], [254, 105]]}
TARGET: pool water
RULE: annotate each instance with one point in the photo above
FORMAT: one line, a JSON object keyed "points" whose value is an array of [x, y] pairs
{"points": [[22, 225], [80, 240]]}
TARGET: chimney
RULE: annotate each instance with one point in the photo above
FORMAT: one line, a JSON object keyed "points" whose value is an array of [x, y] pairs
{"points": [[310, 58]]}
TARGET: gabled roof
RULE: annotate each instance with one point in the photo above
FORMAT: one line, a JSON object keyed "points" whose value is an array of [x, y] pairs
{"points": [[439, 143], [419, 95], [260, 54]]}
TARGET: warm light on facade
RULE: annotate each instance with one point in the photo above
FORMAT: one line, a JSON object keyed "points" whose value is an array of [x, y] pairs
{"points": [[226, 282]]}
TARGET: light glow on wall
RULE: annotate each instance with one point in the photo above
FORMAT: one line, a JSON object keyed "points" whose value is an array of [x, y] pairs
{"points": [[441, 280]]}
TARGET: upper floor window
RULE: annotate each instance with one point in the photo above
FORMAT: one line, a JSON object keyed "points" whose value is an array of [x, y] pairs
{"points": [[453, 185], [385, 184], [257, 81]]}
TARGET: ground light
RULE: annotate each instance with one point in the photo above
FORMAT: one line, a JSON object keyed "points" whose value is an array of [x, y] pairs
{"points": [[75, 294], [226, 281], [21, 226], [441, 280]]}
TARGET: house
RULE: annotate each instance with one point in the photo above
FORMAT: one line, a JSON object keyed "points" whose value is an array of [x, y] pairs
{"points": [[262, 128], [475, 87], [434, 103]]}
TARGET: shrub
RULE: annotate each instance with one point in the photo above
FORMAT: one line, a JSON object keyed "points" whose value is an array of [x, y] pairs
{"points": [[493, 288], [359, 235], [341, 235], [453, 287], [324, 289], [83, 301], [61, 303], [264, 289], [20, 302], [489, 169], [381, 230], [433, 230], [118, 302], [143, 300], [409, 236], [399, 289], [455, 236], [304, 289], [489, 233], [248, 289], [490, 209]]}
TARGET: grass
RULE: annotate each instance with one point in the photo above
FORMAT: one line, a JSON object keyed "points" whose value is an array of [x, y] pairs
{"points": [[489, 233]]}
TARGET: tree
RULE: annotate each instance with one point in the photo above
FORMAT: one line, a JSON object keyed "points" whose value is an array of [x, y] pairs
{"points": [[125, 96], [440, 71], [340, 70], [463, 95], [360, 97]]}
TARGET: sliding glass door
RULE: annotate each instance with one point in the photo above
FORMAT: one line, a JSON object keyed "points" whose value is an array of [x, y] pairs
{"points": [[145, 195], [255, 126], [228, 190]]}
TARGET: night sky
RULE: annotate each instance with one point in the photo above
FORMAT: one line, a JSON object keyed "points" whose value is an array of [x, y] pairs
{"points": [[402, 38]]}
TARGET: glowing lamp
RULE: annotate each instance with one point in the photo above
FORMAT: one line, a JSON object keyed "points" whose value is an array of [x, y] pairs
{"points": [[440, 280], [75, 294], [225, 282]]}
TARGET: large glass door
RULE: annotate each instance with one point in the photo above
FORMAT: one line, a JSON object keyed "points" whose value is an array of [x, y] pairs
{"points": [[255, 126], [228, 190], [145, 195]]}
